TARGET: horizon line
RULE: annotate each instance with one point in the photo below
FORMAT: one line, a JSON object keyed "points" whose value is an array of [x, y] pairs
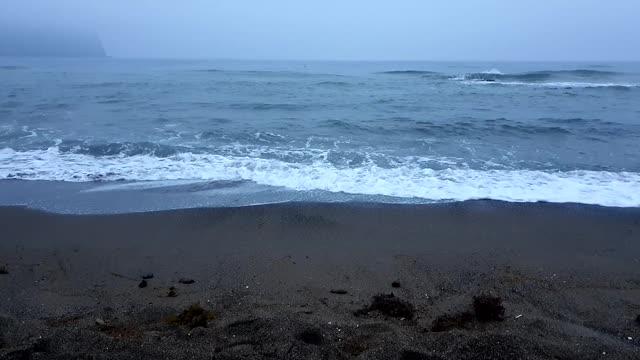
{"points": [[360, 60]]}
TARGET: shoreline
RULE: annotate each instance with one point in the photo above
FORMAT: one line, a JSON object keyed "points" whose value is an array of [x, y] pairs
{"points": [[122, 197], [302, 280]]}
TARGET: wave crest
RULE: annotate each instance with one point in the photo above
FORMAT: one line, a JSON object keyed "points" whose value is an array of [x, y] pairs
{"points": [[535, 76]]}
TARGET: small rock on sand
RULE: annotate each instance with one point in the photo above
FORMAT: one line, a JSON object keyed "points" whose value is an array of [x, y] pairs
{"points": [[143, 284], [395, 284], [338, 291], [148, 276], [186, 281], [101, 324]]}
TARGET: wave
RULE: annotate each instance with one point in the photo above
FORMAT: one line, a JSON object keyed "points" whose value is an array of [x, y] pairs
{"points": [[333, 83], [11, 104], [417, 73], [345, 126], [405, 181], [579, 121], [268, 137], [580, 85], [536, 76], [118, 149], [110, 84], [12, 67], [268, 106], [268, 73], [208, 70], [8, 133], [111, 101], [409, 72], [469, 129], [543, 126], [52, 106], [559, 84]]}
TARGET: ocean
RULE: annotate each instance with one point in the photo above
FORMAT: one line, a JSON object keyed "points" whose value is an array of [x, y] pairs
{"points": [[116, 135]]}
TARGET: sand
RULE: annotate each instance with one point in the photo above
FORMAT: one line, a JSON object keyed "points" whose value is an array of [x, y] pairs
{"points": [[471, 280]]}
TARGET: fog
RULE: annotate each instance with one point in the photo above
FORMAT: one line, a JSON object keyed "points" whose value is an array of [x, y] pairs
{"points": [[348, 30]]}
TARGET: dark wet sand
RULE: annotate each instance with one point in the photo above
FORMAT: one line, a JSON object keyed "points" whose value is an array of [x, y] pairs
{"points": [[296, 281]]}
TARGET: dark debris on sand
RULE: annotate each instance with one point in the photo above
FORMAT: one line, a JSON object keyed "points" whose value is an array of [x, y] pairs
{"points": [[193, 316], [186, 281], [311, 336], [3, 270], [395, 284], [148, 276], [172, 292], [143, 284], [338, 291], [389, 305], [488, 308]]}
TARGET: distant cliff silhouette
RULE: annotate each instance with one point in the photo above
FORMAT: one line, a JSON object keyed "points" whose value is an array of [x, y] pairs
{"points": [[49, 42]]}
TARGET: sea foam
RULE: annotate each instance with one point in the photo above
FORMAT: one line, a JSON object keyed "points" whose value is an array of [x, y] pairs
{"points": [[404, 181]]}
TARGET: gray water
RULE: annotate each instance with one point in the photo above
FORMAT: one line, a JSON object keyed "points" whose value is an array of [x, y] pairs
{"points": [[335, 131]]}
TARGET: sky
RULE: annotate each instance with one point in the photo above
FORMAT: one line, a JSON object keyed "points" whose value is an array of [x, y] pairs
{"points": [[348, 29]]}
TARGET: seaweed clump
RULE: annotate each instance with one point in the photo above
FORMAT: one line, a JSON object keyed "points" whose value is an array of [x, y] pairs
{"points": [[193, 316], [488, 308]]}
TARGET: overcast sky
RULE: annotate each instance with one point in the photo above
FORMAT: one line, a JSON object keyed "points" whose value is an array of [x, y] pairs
{"points": [[350, 29]]}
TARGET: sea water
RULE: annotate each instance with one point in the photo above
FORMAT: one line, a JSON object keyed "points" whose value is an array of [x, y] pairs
{"points": [[225, 133]]}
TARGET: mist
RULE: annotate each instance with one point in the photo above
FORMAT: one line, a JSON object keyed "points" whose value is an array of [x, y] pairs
{"points": [[347, 30]]}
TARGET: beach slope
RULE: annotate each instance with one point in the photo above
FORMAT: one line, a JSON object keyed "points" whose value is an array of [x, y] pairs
{"points": [[469, 280]]}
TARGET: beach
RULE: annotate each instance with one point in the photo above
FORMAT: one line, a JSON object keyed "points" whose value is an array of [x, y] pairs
{"points": [[406, 180], [465, 280]]}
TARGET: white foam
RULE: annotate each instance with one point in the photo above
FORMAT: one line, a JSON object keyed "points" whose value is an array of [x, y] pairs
{"points": [[556, 84], [493, 71], [407, 180], [142, 185]]}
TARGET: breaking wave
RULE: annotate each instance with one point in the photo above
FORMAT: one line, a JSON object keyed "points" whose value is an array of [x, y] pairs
{"points": [[404, 181], [496, 75], [580, 78]]}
